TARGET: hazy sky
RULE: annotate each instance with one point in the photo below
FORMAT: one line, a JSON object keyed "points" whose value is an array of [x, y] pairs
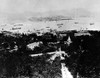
{"points": [[20, 6], [21, 10]]}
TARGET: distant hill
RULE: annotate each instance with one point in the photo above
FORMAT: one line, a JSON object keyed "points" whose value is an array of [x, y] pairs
{"points": [[50, 18]]}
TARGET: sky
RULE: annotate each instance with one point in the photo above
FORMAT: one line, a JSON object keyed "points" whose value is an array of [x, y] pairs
{"points": [[16, 9], [20, 6]]}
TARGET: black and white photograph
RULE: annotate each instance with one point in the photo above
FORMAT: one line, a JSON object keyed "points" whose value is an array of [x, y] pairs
{"points": [[49, 38]]}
